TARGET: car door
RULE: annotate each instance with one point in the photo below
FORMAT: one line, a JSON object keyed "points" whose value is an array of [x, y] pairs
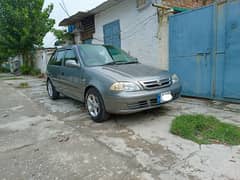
{"points": [[72, 75], [54, 68]]}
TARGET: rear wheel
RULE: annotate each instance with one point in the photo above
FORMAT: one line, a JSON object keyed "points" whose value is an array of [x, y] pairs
{"points": [[95, 106], [52, 93]]}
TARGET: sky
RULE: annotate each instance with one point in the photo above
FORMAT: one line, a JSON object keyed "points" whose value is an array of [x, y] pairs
{"points": [[72, 6]]}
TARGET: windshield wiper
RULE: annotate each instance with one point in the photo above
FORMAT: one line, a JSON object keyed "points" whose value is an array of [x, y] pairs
{"points": [[110, 63], [127, 62], [114, 63], [120, 62], [132, 62]]}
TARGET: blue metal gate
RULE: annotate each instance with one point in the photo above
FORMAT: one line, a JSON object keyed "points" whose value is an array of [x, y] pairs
{"points": [[112, 34], [204, 49], [232, 60]]}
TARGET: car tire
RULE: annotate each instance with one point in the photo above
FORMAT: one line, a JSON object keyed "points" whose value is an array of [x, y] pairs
{"points": [[52, 93], [95, 106]]}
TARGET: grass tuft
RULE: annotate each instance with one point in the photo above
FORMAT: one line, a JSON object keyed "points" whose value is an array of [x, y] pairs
{"points": [[23, 85], [12, 78], [205, 130]]}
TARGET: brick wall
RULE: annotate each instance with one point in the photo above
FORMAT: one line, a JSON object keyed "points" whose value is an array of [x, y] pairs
{"points": [[186, 3]]}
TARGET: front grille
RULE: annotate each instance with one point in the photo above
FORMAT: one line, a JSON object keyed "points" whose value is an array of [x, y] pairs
{"points": [[138, 105], [144, 104], [156, 84], [154, 102]]}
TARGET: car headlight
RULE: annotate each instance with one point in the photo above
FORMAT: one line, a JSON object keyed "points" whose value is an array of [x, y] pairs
{"points": [[125, 86], [175, 78]]}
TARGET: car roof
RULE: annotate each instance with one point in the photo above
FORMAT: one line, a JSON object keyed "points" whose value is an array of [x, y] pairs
{"points": [[77, 45]]}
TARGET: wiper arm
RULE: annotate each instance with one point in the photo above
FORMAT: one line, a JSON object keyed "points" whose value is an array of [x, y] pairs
{"points": [[114, 63], [120, 62], [132, 62], [110, 63]]}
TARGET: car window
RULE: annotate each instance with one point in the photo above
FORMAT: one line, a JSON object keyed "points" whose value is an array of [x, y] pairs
{"points": [[59, 58], [70, 55], [94, 55], [120, 55], [52, 59]]}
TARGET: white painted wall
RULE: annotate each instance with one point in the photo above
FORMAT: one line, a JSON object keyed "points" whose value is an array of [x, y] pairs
{"points": [[42, 57], [163, 36], [139, 32], [77, 38]]}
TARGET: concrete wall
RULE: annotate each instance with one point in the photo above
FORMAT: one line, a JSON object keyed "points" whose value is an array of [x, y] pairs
{"points": [[42, 57], [139, 32], [77, 38], [163, 41]]}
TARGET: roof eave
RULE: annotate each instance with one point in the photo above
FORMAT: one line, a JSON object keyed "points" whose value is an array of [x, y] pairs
{"points": [[74, 18], [81, 15]]}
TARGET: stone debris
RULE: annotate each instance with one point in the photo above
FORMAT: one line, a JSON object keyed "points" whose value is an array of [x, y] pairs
{"points": [[5, 115], [63, 138], [36, 150]]}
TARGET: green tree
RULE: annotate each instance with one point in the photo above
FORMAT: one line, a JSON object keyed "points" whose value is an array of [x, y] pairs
{"points": [[23, 25], [62, 36]]}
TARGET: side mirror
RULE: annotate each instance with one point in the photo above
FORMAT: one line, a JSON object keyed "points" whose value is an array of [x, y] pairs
{"points": [[72, 63]]}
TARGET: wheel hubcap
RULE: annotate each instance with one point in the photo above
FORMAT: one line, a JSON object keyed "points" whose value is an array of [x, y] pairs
{"points": [[50, 90], [93, 105]]}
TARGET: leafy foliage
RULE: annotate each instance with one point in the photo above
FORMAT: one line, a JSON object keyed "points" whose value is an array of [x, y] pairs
{"points": [[62, 36], [26, 70], [4, 70], [23, 25]]}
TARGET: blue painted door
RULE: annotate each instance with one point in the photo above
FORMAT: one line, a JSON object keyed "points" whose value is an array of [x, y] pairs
{"points": [[191, 50], [112, 34], [232, 60]]}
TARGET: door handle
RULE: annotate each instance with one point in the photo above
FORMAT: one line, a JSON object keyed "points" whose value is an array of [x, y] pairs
{"points": [[203, 53], [220, 52], [200, 54]]}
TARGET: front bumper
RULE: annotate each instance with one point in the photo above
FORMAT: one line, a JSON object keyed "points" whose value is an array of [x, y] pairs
{"points": [[131, 102]]}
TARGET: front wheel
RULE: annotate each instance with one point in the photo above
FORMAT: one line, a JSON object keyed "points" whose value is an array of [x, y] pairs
{"points": [[95, 106], [52, 93]]}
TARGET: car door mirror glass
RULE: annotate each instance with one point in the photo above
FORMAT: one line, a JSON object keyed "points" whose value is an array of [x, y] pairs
{"points": [[72, 63]]}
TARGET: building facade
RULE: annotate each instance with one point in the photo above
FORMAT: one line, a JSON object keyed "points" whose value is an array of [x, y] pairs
{"points": [[136, 26], [133, 28]]}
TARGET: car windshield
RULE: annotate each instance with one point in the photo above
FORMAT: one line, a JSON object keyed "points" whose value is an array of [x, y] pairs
{"points": [[120, 56], [97, 55]]}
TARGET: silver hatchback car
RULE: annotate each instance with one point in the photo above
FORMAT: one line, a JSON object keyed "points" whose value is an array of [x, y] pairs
{"points": [[108, 80]]}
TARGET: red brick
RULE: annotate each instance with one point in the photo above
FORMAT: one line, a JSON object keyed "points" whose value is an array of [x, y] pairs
{"points": [[186, 3]]}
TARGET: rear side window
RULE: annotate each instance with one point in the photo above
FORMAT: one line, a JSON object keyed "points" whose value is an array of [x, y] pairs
{"points": [[70, 55], [57, 58], [52, 59]]}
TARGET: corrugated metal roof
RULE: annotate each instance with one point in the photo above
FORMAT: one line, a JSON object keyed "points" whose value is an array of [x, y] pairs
{"points": [[81, 15], [74, 18]]}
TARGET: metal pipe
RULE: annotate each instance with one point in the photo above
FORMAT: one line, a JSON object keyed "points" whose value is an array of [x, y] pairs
{"points": [[161, 6]]}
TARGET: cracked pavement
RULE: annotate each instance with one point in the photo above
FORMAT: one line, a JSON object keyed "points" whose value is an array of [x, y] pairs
{"points": [[45, 139]]}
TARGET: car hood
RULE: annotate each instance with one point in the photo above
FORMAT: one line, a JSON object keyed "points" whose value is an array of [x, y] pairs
{"points": [[126, 72]]}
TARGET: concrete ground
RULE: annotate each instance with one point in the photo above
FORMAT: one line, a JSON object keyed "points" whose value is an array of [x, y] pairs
{"points": [[45, 139]]}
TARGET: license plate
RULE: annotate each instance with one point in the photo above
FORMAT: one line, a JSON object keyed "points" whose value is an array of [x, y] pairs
{"points": [[164, 97]]}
